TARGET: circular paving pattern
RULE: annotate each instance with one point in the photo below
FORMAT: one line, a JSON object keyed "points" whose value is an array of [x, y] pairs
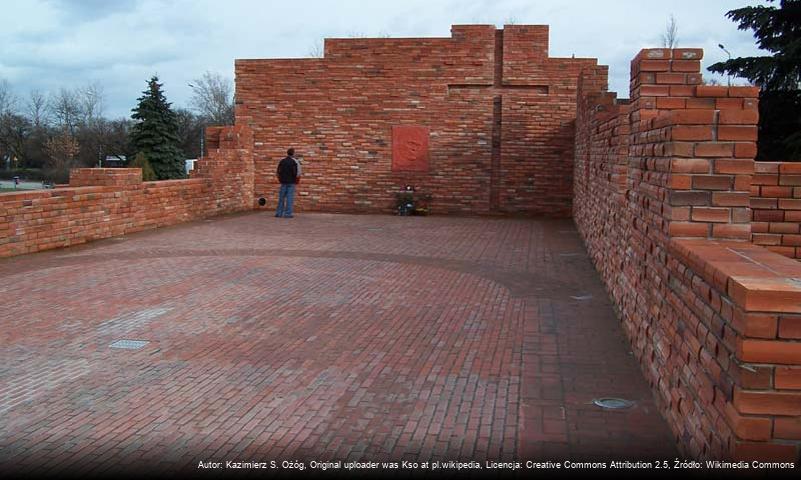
{"points": [[329, 337]]}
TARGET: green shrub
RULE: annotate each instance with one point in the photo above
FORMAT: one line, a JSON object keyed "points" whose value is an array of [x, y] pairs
{"points": [[140, 161]]}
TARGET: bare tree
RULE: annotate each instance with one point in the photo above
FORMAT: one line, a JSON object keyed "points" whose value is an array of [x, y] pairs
{"points": [[14, 131], [37, 109], [66, 109], [190, 132], [317, 50], [670, 39], [80, 106], [213, 98], [8, 101], [92, 102], [46, 129], [117, 141], [11, 124]]}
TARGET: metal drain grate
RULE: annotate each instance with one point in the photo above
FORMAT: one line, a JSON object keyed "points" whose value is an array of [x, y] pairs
{"points": [[613, 403], [129, 344]]}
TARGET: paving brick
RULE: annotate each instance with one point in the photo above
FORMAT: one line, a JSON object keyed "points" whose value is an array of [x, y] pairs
{"points": [[322, 336]]}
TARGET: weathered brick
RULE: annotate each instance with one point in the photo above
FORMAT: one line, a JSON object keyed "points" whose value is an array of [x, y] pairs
{"points": [[690, 165], [738, 117], [771, 403], [733, 231], [737, 132], [745, 150], [788, 378], [730, 199], [709, 214], [689, 66], [756, 325], [765, 351], [712, 182], [748, 92], [688, 229], [764, 451], [681, 198], [790, 327], [711, 91], [734, 166], [714, 149], [748, 427], [788, 428]]}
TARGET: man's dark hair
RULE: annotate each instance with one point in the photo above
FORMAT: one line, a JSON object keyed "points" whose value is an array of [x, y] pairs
{"points": [[290, 152]]}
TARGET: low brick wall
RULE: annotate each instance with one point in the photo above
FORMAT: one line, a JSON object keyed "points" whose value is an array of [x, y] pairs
{"points": [[46, 219], [107, 202], [662, 192], [776, 203]]}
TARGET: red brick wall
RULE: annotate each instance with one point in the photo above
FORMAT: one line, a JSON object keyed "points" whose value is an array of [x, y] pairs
{"points": [[500, 112], [662, 190], [776, 203], [107, 202]]}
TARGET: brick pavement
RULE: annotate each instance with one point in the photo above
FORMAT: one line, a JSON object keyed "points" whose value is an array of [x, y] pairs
{"points": [[322, 337]]}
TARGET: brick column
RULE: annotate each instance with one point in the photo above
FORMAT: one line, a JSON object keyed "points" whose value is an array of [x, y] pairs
{"points": [[703, 138], [229, 166]]}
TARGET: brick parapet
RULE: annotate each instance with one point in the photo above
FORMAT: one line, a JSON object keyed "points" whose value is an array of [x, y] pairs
{"points": [[229, 165], [108, 202], [671, 247], [82, 177], [746, 307]]}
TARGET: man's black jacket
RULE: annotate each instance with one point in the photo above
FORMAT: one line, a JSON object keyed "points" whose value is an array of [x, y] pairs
{"points": [[287, 170]]}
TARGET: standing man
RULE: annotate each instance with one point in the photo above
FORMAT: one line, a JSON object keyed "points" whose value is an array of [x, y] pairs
{"points": [[287, 174]]}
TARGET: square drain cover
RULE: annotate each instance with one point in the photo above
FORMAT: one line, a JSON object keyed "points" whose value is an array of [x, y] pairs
{"points": [[129, 344]]}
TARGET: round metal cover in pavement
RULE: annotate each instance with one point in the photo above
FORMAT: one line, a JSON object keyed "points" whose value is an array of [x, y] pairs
{"points": [[613, 403]]}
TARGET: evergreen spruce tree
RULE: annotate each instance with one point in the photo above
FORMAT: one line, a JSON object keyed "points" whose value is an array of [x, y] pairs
{"points": [[777, 30], [156, 133]]}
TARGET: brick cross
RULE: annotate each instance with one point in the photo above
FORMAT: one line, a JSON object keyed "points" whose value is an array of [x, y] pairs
{"points": [[497, 89]]}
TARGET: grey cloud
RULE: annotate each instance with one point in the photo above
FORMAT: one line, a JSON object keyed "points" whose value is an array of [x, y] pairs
{"points": [[54, 43]]}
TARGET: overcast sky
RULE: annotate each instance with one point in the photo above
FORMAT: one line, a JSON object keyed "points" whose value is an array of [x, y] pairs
{"points": [[119, 44]]}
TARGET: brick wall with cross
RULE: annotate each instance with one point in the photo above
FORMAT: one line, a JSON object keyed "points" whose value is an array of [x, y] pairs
{"points": [[487, 121]]}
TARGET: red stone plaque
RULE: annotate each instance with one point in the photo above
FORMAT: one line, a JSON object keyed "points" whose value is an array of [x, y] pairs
{"points": [[409, 148]]}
